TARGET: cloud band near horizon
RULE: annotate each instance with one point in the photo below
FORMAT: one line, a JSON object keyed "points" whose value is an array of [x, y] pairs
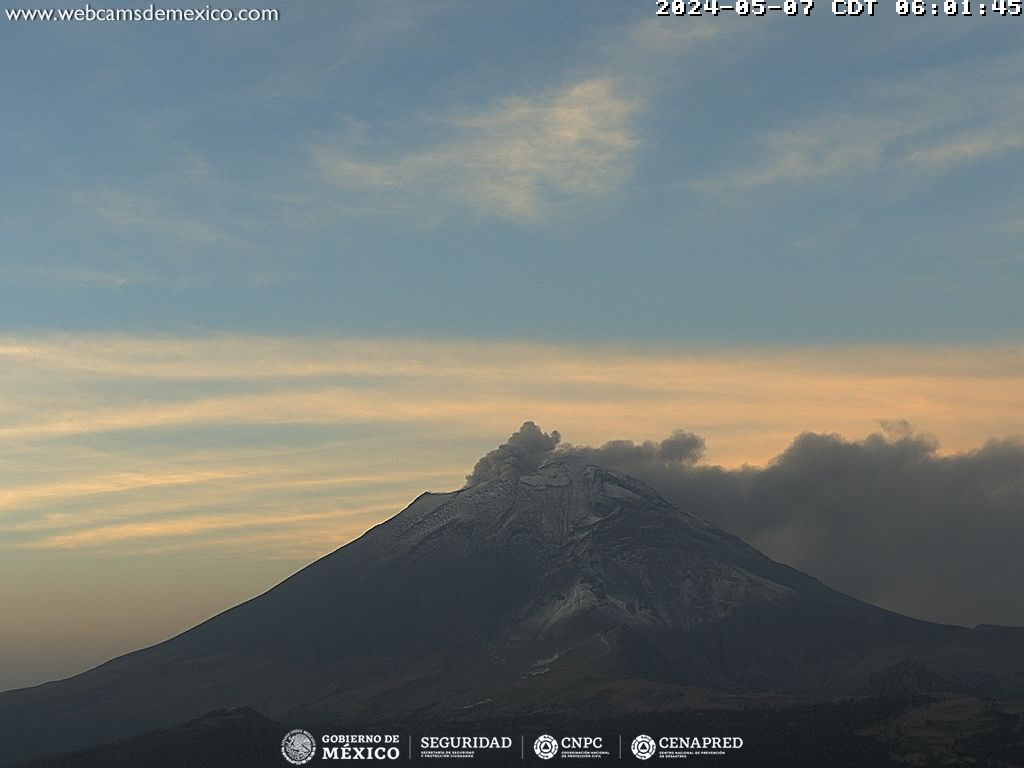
{"points": [[234, 460]]}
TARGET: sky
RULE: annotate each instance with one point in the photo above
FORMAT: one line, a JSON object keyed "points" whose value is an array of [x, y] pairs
{"points": [[261, 284]]}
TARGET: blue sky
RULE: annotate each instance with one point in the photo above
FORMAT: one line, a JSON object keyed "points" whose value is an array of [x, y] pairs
{"points": [[524, 172], [262, 284]]}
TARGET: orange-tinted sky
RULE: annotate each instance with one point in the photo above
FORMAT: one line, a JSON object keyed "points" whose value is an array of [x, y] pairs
{"points": [[153, 481], [260, 282]]}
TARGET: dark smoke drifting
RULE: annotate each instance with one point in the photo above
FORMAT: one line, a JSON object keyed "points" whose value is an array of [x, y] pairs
{"points": [[887, 519]]}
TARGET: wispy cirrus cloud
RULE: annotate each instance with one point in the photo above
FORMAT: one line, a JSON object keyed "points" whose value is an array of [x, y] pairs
{"points": [[812, 152], [77, 277], [89, 385], [930, 123], [122, 482], [513, 160], [170, 532], [133, 210], [967, 147]]}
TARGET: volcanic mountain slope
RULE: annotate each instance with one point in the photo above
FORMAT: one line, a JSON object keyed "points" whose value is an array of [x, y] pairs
{"points": [[572, 589]]}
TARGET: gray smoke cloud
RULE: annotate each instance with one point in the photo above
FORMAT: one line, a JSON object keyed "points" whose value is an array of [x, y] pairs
{"points": [[529, 447], [887, 519], [525, 451]]}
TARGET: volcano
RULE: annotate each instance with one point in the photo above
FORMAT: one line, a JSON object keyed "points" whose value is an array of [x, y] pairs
{"points": [[573, 589]]}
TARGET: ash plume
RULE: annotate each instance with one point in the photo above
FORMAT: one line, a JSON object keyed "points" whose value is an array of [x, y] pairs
{"points": [[889, 518]]}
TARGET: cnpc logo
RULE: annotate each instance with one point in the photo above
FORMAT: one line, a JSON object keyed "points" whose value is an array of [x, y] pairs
{"points": [[547, 746]]}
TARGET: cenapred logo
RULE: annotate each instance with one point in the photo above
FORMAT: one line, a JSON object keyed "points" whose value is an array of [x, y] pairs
{"points": [[546, 747], [644, 747], [298, 747]]}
